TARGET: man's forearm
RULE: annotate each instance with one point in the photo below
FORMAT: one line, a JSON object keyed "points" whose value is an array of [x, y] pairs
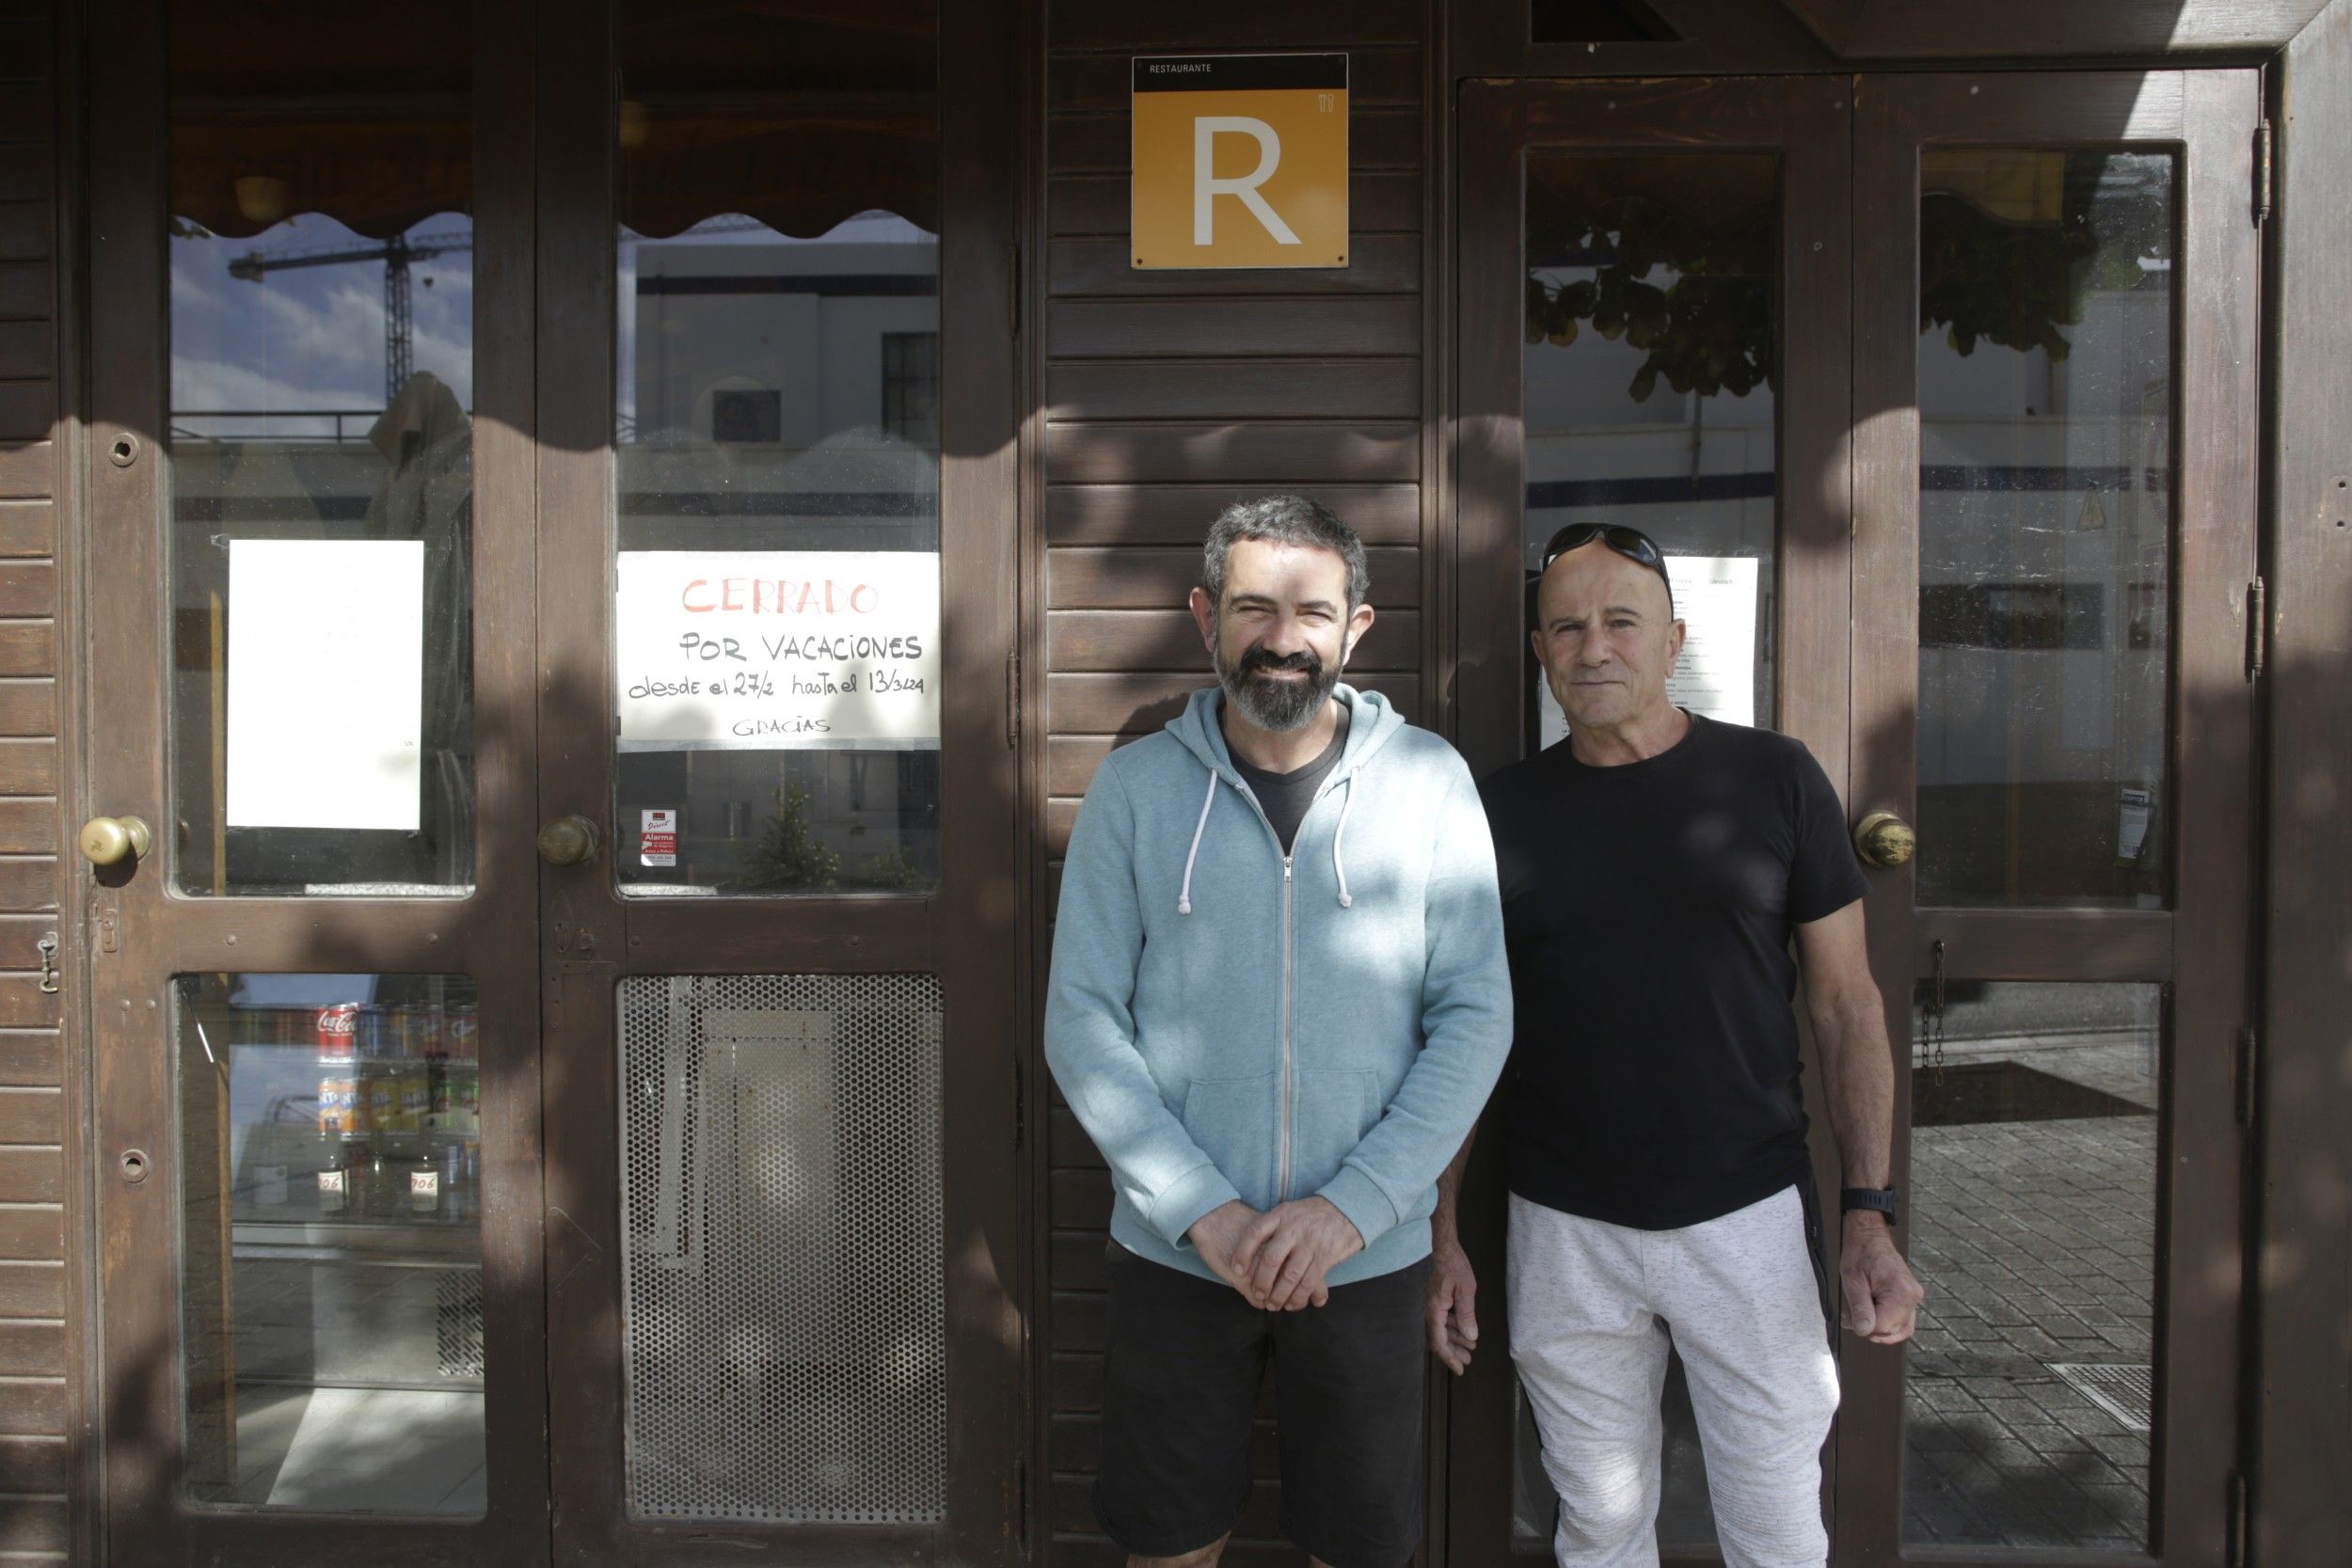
{"points": [[1443, 1231], [1860, 1068]]}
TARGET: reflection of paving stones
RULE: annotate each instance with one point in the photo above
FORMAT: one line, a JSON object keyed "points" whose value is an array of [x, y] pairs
{"points": [[2037, 1244]]}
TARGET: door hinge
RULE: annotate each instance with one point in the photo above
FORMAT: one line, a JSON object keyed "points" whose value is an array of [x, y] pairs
{"points": [[2240, 1522], [2249, 1064], [1012, 701], [2257, 628], [2262, 172]]}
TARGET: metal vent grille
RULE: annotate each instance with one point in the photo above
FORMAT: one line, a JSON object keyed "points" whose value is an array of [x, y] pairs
{"points": [[457, 1323], [782, 1276], [2125, 1391]]}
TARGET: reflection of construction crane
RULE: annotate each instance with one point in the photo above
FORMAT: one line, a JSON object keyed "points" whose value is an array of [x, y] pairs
{"points": [[395, 253]]}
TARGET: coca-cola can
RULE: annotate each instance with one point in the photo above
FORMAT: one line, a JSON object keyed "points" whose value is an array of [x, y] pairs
{"points": [[339, 1030]]}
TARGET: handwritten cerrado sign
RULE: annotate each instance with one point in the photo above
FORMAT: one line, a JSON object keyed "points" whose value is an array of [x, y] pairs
{"points": [[777, 650]]}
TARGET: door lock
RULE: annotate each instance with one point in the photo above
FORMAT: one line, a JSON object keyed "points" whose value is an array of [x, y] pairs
{"points": [[568, 841], [1884, 839], [109, 840]]}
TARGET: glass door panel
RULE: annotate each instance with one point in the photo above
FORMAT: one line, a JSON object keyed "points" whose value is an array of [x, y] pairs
{"points": [[2053, 412], [316, 1005], [1653, 335], [321, 457]]}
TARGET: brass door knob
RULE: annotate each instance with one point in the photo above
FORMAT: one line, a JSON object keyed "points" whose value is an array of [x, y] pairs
{"points": [[108, 840], [1884, 839], [568, 841]]}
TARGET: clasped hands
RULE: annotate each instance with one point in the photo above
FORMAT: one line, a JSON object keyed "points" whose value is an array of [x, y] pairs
{"points": [[1278, 1260]]}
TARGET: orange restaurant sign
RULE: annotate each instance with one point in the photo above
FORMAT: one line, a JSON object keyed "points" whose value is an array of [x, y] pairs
{"points": [[1240, 161]]}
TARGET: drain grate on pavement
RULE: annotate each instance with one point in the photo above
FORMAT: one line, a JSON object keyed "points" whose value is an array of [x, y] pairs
{"points": [[2124, 1390]]}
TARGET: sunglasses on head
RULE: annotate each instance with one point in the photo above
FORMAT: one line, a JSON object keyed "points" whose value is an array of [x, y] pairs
{"points": [[1630, 543]]}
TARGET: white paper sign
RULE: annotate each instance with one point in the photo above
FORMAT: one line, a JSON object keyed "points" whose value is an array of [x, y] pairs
{"points": [[1715, 677], [326, 683], [777, 650]]}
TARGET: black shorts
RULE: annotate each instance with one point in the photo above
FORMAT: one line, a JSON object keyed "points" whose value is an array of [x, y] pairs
{"points": [[1182, 1368]]}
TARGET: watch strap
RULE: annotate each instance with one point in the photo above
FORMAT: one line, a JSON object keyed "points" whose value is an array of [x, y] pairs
{"points": [[1877, 1200]]}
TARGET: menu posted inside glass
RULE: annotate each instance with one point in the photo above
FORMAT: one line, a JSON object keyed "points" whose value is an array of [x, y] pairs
{"points": [[779, 650]]}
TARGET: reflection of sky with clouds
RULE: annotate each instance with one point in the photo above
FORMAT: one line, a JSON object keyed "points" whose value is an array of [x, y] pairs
{"points": [[308, 338]]}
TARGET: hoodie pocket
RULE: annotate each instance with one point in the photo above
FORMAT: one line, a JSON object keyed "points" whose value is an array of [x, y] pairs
{"points": [[1335, 1109], [1233, 1121]]}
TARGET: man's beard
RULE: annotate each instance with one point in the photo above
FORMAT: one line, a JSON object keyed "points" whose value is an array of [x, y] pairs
{"points": [[1276, 705]]}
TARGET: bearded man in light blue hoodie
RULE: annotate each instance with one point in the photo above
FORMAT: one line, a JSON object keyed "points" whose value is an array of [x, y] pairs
{"points": [[1279, 1000]]}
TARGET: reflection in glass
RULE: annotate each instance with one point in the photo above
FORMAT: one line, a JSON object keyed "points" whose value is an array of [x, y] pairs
{"points": [[778, 392], [1651, 354], [330, 1161], [322, 369], [2028, 1393], [1649, 372], [2045, 502]]}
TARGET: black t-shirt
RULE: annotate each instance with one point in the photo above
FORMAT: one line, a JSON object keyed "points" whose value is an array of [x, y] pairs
{"points": [[1285, 796], [1648, 910]]}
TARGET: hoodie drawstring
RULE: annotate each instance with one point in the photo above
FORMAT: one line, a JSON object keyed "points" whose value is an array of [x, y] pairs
{"points": [[1183, 897], [1339, 865]]}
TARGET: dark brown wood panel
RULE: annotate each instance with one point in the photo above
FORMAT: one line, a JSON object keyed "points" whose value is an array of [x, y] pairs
{"points": [[1180, 514], [1219, 329], [31, 1174], [2302, 1510], [1269, 453], [28, 528], [1239, 390], [1099, 84], [31, 1290], [34, 1465], [1376, 264], [24, 290], [27, 470], [1145, 27], [28, 647], [1157, 579]]}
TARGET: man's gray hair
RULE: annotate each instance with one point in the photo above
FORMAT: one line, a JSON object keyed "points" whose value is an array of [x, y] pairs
{"points": [[1284, 520]]}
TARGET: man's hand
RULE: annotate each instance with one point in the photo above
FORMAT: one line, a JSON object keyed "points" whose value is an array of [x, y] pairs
{"points": [[1453, 1307], [1216, 1234], [1881, 1295], [1288, 1249]]}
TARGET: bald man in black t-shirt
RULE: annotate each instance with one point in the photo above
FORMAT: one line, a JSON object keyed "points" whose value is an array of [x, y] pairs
{"points": [[1656, 867]]}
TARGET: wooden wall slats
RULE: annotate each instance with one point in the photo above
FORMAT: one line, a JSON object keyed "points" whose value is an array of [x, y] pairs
{"points": [[1238, 389], [1168, 394], [1219, 329], [1098, 83], [1376, 264], [28, 528], [1145, 27], [1384, 201], [38, 1475], [1269, 453], [1154, 578], [1180, 514]]}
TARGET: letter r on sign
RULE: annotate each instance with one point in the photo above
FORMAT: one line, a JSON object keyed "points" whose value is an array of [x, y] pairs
{"points": [[1207, 187]]}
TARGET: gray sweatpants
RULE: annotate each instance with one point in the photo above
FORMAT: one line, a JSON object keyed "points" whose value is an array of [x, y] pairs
{"points": [[1593, 1308]]}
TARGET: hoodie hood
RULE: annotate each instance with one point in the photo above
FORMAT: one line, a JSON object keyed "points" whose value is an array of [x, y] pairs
{"points": [[1370, 724]]}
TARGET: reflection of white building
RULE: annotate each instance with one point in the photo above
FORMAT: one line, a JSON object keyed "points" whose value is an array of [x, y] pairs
{"points": [[782, 395]]}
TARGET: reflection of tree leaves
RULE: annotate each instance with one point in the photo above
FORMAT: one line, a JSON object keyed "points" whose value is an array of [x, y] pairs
{"points": [[1709, 330], [2015, 284]]}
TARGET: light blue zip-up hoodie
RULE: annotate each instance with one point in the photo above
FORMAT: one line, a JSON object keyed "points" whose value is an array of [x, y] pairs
{"points": [[1227, 1022]]}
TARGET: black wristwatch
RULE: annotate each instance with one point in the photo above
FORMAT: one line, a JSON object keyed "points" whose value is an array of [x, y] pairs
{"points": [[1878, 1200]]}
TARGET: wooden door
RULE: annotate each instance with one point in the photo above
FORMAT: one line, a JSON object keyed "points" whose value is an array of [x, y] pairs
{"points": [[1596, 218], [2056, 288], [313, 975], [2004, 562], [781, 1001]]}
